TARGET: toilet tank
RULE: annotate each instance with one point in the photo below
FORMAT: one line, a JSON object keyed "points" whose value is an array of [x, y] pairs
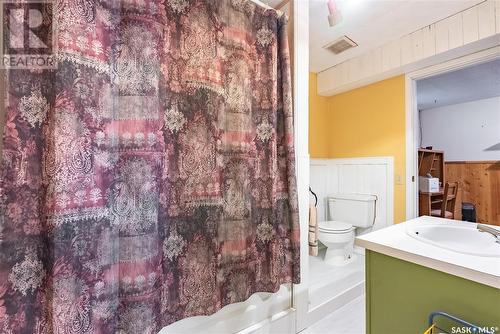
{"points": [[356, 209]]}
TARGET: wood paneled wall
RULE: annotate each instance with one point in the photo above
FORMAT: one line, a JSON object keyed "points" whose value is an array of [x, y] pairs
{"points": [[480, 185]]}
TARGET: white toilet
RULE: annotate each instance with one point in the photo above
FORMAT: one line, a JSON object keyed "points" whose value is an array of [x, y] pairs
{"points": [[345, 212]]}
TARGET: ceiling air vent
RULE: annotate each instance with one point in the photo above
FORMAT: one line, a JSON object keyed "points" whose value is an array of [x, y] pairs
{"points": [[340, 45]]}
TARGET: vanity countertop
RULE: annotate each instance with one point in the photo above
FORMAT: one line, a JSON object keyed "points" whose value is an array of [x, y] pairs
{"points": [[394, 241]]}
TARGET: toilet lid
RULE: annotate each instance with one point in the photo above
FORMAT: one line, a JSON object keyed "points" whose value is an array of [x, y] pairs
{"points": [[334, 226]]}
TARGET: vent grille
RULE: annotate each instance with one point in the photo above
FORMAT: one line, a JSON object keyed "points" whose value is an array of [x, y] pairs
{"points": [[340, 45]]}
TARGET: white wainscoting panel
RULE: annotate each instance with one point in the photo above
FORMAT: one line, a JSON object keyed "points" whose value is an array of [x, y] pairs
{"points": [[497, 16], [486, 19], [372, 175]]}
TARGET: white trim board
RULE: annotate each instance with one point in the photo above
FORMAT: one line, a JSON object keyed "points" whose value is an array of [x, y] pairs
{"points": [[412, 118], [301, 110]]}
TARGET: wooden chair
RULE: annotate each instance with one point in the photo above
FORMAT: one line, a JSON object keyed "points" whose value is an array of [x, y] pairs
{"points": [[448, 202]]}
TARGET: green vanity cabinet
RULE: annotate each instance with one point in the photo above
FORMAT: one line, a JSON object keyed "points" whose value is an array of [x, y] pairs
{"points": [[400, 295]]}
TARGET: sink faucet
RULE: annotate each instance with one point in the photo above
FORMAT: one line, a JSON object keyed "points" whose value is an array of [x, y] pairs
{"points": [[493, 231]]}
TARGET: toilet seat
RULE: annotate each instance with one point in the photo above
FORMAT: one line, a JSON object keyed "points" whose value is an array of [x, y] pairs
{"points": [[333, 226]]}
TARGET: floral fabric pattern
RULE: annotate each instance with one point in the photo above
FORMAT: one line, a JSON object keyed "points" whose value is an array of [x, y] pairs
{"points": [[151, 176]]}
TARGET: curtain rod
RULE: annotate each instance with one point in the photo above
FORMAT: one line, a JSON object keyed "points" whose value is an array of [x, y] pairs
{"points": [[260, 3]]}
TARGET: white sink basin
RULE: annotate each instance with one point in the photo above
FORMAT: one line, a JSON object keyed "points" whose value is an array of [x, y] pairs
{"points": [[459, 237]]}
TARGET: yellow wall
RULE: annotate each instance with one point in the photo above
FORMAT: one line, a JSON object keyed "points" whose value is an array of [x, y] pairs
{"points": [[364, 122]]}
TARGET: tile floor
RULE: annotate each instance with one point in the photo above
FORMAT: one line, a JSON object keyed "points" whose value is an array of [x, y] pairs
{"points": [[349, 319]]}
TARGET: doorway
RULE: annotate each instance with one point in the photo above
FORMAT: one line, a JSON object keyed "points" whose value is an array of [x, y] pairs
{"points": [[434, 131]]}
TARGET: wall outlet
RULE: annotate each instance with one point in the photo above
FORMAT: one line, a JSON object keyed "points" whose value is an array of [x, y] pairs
{"points": [[399, 179]]}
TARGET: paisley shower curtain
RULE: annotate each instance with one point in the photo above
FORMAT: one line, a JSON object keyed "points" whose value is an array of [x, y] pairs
{"points": [[150, 177]]}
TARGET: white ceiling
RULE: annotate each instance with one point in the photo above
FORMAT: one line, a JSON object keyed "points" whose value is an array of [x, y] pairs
{"points": [[477, 82], [371, 23]]}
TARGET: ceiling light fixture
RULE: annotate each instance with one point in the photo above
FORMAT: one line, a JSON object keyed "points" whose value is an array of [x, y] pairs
{"points": [[335, 17]]}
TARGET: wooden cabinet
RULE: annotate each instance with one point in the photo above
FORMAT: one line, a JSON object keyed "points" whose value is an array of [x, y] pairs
{"points": [[401, 294], [431, 162]]}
